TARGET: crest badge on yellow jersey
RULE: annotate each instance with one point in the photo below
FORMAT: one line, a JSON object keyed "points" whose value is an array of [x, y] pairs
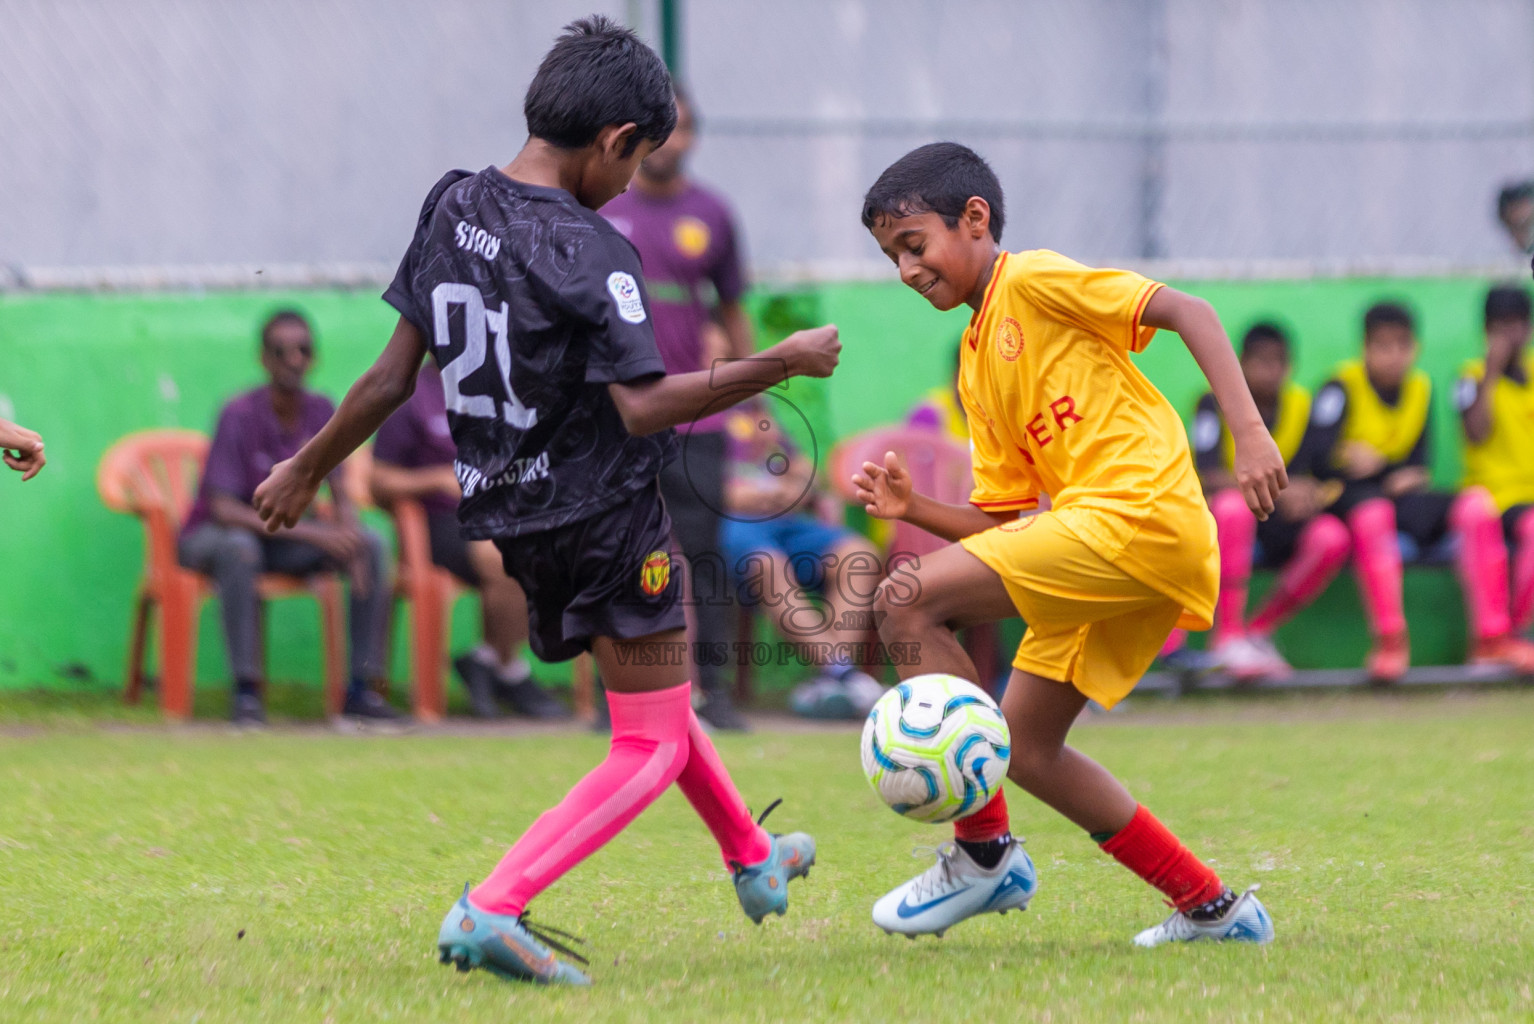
{"points": [[1009, 339]]}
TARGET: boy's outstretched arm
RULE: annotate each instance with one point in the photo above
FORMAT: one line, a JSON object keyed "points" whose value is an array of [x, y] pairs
{"points": [[21, 449], [287, 491], [886, 493], [1259, 468], [681, 398]]}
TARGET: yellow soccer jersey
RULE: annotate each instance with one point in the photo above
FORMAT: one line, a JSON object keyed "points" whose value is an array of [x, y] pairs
{"points": [[1056, 406], [1504, 462]]}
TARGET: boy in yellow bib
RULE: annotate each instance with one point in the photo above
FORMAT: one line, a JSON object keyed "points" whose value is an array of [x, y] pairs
{"points": [[1301, 540], [1498, 420], [1056, 406], [1373, 419]]}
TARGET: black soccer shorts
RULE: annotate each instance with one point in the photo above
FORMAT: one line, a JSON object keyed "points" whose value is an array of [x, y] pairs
{"points": [[613, 575]]}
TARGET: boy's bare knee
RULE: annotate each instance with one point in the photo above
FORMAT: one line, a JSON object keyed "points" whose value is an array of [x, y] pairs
{"points": [[897, 617]]}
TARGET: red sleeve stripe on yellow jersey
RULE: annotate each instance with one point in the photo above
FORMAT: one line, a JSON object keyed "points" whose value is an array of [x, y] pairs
{"points": [[1135, 344], [1007, 504], [990, 289]]}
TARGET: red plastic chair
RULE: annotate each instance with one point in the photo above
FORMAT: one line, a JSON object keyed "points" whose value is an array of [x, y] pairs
{"points": [[939, 469], [429, 592], [153, 474]]}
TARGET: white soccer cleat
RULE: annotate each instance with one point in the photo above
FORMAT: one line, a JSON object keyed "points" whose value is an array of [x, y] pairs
{"points": [[956, 888], [1247, 920], [1248, 658], [863, 690]]}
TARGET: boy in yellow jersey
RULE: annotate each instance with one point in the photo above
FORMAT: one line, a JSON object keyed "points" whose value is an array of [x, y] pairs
{"points": [[1056, 406], [1373, 421], [1496, 404], [1307, 545]]}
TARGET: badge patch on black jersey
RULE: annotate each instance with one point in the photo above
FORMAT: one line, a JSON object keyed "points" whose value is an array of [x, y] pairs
{"points": [[655, 573], [625, 292]]}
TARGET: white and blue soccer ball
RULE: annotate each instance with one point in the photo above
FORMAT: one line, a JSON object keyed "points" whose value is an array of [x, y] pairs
{"points": [[936, 748]]}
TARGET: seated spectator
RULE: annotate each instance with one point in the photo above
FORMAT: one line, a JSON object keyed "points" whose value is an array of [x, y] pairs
{"points": [[773, 542], [21, 449], [413, 459], [224, 537], [1515, 209], [1306, 545], [1496, 404], [1373, 422]]}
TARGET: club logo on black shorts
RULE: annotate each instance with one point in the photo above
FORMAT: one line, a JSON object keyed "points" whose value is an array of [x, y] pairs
{"points": [[655, 573]]}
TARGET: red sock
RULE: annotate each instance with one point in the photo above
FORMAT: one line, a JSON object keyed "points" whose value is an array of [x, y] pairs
{"points": [[1148, 848], [988, 823]]}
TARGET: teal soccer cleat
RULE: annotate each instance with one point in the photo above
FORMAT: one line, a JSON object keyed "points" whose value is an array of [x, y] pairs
{"points": [[1246, 920], [505, 945], [763, 888]]}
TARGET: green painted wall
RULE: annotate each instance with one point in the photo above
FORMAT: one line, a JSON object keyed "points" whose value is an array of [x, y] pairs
{"points": [[85, 370]]}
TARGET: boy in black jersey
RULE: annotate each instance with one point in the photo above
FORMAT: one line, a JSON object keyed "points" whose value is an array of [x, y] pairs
{"points": [[533, 306]]}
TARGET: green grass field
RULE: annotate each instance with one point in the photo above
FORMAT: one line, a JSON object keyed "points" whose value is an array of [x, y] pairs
{"points": [[197, 875]]}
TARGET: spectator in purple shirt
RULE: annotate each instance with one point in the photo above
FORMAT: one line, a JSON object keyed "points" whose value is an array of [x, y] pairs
{"points": [[225, 538], [688, 244], [413, 458]]}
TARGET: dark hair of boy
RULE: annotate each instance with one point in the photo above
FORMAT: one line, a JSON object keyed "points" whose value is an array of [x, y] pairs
{"points": [[1387, 314], [599, 74], [280, 317], [1265, 333], [940, 178], [1512, 194], [1507, 302]]}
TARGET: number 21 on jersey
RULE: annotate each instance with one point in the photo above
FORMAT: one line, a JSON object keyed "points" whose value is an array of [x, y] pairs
{"points": [[478, 324]]}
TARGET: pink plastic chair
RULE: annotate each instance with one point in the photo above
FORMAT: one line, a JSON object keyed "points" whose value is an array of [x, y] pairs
{"points": [[939, 469]]}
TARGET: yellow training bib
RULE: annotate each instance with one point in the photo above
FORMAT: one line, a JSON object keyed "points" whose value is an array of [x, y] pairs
{"points": [[1393, 431]]}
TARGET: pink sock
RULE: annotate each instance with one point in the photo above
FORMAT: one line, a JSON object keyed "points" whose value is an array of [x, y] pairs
{"points": [[1318, 557], [1175, 641], [1523, 572], [1236, 528], [712, 793], [1482, 562], [1377, 564], [649, 749]]}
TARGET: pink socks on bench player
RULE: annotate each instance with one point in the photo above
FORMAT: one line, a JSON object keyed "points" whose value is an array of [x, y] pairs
{"points": [[656, 740], [1319, 556], [1377, 563], [1236, 529], [1482, 563]]}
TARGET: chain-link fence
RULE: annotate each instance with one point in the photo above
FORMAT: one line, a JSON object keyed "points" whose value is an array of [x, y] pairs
{"points": [[1284, 134]]}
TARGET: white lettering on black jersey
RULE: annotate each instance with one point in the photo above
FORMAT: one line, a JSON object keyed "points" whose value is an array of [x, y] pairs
{"points": [[531, 305]]}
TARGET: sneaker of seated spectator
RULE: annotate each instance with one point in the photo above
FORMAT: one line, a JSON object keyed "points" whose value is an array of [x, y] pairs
{"points": [[782, 555], [413, 459], [224, 538]]}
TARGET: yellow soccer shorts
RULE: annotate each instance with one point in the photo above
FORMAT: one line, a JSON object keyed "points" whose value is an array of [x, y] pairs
{"points": [[1090, 623]]}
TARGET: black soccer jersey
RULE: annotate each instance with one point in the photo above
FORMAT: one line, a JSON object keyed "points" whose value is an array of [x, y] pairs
{"points": [[531, 305]]}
